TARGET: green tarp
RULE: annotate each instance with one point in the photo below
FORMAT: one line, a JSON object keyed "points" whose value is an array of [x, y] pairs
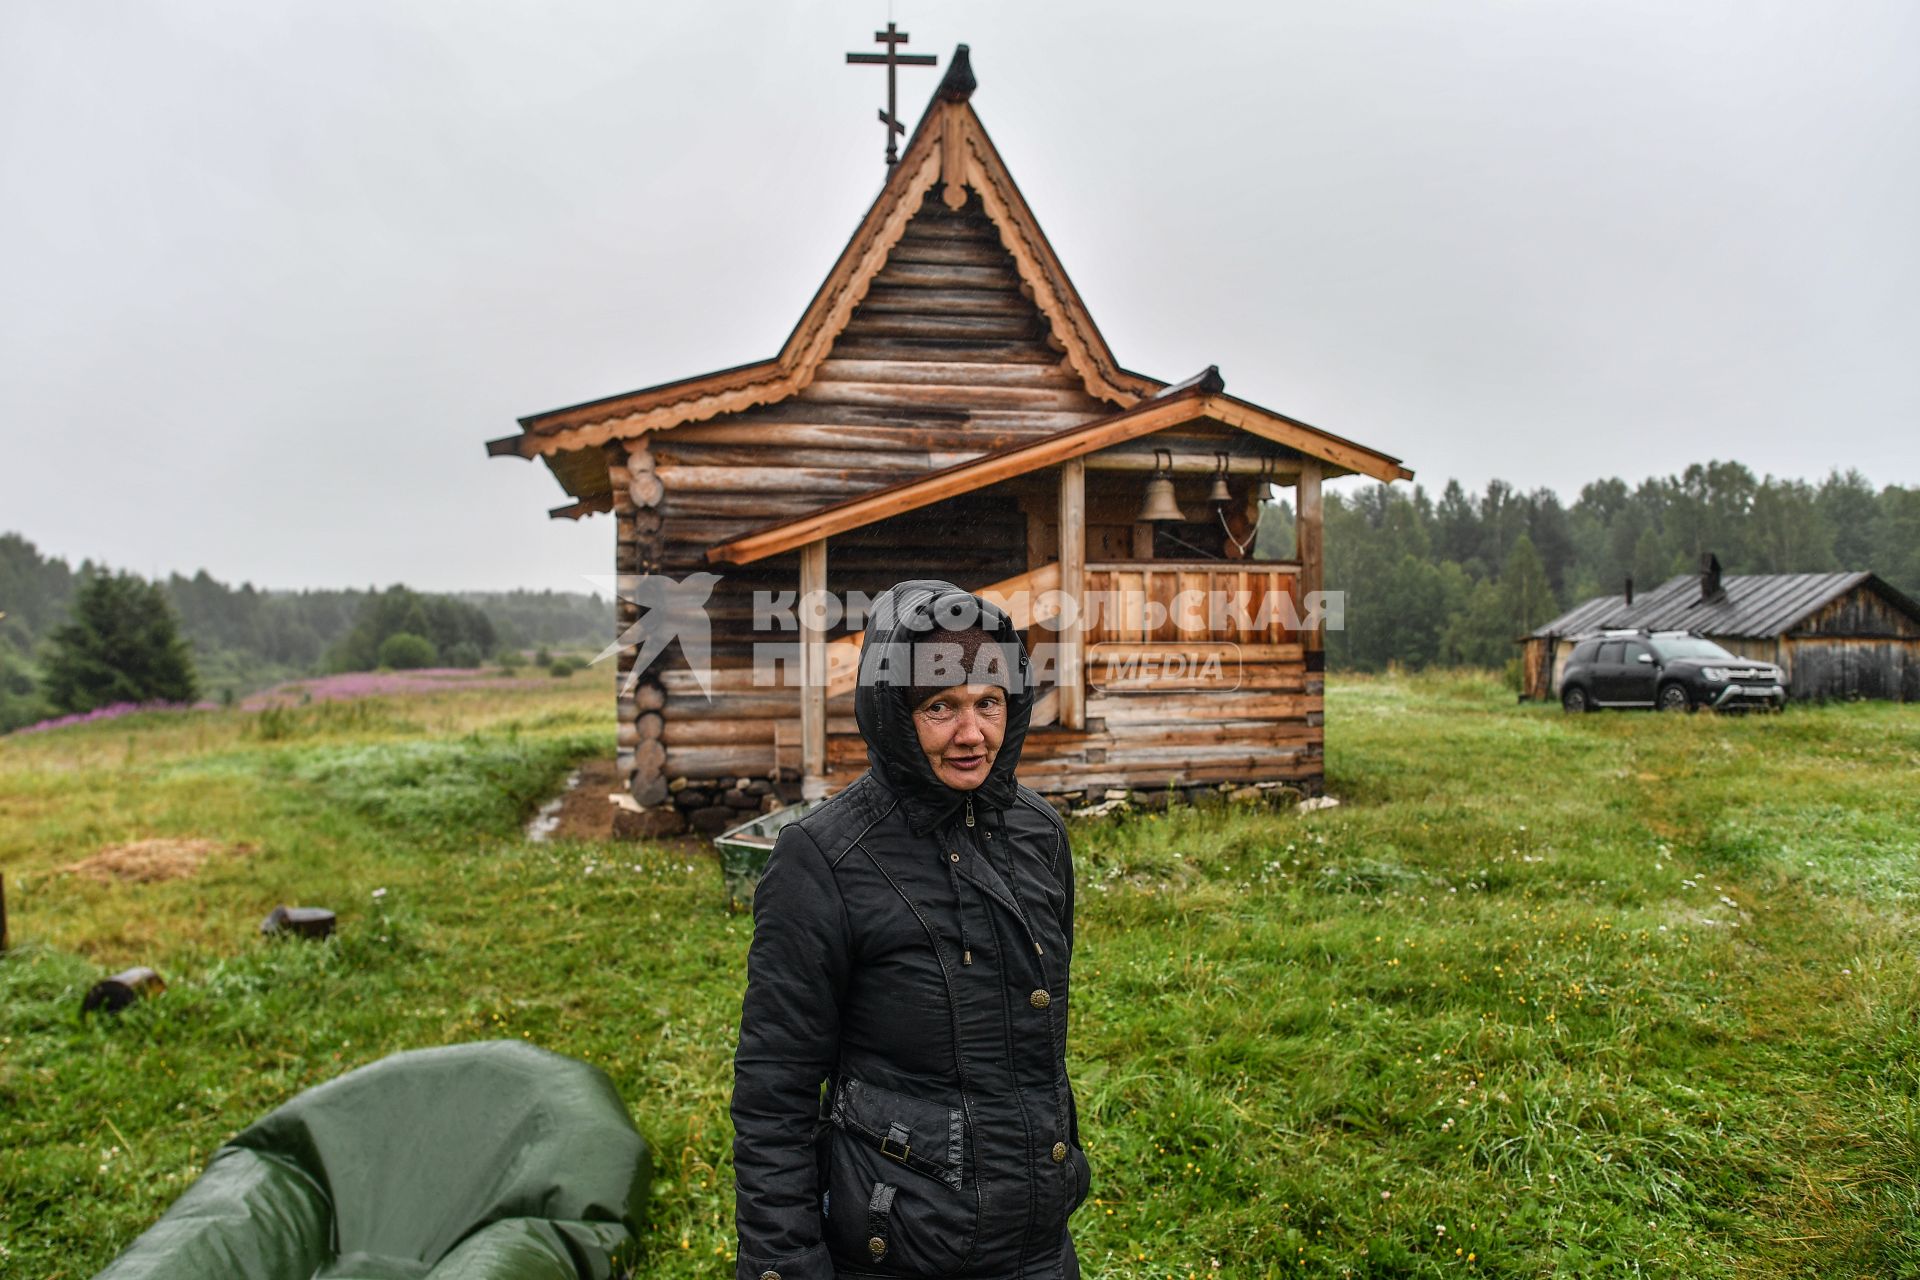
{"points": [[491, 1161]]}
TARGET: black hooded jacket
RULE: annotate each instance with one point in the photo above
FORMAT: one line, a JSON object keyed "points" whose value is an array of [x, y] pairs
{"points": [[910, 950]]}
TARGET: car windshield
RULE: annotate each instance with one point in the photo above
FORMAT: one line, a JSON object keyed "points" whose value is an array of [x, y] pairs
{"points": [[1671, 647]]}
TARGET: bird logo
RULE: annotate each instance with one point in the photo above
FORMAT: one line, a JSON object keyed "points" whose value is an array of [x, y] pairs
{"points": [[670, 609]]}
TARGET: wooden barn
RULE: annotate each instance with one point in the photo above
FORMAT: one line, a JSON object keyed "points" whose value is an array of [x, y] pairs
{"points": [[947, 408], [1835, 635]]}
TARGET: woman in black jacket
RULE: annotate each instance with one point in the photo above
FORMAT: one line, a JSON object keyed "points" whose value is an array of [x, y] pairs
{"points": [[911, 943]]}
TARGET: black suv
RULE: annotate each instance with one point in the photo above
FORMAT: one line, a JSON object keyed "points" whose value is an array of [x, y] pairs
{"points": [[1672, 670]]}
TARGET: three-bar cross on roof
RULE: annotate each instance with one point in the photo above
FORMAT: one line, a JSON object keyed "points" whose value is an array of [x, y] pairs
{"points": [[892, 58]]}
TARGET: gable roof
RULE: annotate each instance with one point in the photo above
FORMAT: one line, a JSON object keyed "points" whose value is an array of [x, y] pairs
{"points": [[1750, 604], [1200, 397], [949, 147]]}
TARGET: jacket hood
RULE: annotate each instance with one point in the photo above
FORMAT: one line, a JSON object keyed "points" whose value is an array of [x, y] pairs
{"points": [[884, 712]]}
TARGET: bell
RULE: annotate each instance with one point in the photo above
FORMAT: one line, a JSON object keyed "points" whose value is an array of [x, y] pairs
{"points": [[1220, 493], [1159, 503]]}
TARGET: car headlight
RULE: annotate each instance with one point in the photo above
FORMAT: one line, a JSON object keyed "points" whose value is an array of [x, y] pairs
{"points": [[1716, 674]]}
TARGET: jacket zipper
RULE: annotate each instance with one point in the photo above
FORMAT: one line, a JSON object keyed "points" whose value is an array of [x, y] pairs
{"points": [[1025, 925]]}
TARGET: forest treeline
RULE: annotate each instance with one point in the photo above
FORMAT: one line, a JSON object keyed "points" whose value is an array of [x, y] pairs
{"points": [[1428, 581], [243, 638], [1453, 581]]}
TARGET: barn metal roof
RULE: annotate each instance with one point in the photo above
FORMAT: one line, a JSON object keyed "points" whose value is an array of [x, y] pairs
{"points": [[1751, 604], [1591, 616]]}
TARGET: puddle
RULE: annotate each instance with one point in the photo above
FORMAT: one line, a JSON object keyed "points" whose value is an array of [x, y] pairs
{"points": [[547, 819]]}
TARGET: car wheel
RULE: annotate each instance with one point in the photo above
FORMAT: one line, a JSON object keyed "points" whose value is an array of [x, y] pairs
{"points": [[1575, 700], [1674, 697]]}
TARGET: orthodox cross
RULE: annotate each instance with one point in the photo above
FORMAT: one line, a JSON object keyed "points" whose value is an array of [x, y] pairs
{"points": [[890, 59]]}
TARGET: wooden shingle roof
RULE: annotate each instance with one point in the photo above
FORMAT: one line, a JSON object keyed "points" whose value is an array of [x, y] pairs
{"points": [[1752, 605]]}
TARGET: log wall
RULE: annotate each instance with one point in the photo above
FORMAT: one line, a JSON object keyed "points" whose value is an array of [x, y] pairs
{"points": [[1148, 734], [639, 549], [1145, 734]]}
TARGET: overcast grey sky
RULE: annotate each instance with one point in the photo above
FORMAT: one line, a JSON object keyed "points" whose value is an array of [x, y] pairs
{"points": [[275, 271]]}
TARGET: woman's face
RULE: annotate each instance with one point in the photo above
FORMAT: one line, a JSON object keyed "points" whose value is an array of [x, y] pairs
{"points": [[961, 729]]}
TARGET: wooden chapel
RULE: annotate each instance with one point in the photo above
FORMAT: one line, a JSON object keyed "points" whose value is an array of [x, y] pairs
{"points": [[947, 408]]}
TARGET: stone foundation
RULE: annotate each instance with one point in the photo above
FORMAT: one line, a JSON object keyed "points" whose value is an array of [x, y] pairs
{"points": [[711, 805]]}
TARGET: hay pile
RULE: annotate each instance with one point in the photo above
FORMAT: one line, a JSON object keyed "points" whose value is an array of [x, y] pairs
{"points": [[148, 861]]}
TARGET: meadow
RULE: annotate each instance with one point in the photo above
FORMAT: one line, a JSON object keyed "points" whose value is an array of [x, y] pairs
{"points": [[1615, 995]]}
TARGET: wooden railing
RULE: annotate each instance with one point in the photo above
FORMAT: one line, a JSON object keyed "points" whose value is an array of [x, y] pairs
{"points": [[1138, 602], [1192, 601]]}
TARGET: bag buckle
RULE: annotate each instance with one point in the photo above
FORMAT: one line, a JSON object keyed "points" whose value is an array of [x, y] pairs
{"points": [[896, 1137]]}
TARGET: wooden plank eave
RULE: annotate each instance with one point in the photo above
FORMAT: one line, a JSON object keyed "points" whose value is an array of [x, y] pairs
{"points": [[1343, 454]]}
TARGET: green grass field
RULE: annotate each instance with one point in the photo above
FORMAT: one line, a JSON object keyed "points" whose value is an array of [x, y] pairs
{"points": [[1622, 995]]}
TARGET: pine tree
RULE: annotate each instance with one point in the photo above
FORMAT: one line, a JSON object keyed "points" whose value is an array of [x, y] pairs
{"points": [[1789, 535], [1524, 590], [1897, 558], [1480, 633], [19, 697], [1850, 509], [121, 644]]}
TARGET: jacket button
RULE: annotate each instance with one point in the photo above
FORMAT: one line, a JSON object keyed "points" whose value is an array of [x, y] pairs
{"points": [[1059, 1154], [877, 1247], [1040, 999], [953, 857], [769, 1275]]}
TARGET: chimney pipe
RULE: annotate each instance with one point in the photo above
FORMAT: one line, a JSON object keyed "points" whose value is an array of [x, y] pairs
{"points": [[1710, 577], [1629, 589]]}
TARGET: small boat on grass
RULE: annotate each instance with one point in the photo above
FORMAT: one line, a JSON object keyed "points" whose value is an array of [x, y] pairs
{"points": [[744, 850]]}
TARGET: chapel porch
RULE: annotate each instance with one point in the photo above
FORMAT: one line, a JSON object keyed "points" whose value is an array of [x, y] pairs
{"points": [[1172, 653]]}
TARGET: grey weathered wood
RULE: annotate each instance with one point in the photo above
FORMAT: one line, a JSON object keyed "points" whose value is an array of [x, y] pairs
{"points": [[947, 374], [1196, 462], [901, 297], [770, 506], [811, 458], [1031, 399], [831, 483], [1309, 521], [813, 693], [972, 351], [980, 252], [948, 275], [1072, 522], [922, 325]]}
